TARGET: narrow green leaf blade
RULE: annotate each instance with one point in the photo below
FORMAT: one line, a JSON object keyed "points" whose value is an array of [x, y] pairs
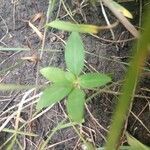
{"points": [[52, 95], [135, 144], [53, 74], [74, 54], [92, 80], [75, 105], [9, 87], [19, 132], [68, 26], [141, 52]]}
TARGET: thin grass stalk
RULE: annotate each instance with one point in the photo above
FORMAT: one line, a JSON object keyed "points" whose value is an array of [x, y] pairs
{"points": [[141, 52]]}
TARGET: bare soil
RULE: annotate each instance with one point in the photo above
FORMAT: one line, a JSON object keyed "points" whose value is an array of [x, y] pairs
{"points": [[103, 55]]}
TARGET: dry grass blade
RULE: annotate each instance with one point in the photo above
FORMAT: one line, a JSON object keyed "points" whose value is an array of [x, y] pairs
{"points": [[20, 108], [36, 30], [7, 121], [15, 113], [34, 58], [36, 17], [122, 19]]}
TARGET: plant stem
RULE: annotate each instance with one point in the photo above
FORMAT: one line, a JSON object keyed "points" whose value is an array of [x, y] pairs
{"points": [[128, 90]]}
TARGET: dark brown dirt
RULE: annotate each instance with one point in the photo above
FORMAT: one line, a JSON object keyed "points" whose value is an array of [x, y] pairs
{"points": [[103, 56]]}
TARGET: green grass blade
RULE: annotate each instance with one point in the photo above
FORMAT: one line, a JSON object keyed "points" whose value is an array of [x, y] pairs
{"points": [[52, 95], [11, 145], [68, 26], [25, 49], [92, 80], [7, 87], [61, 125], [135, 144], [82, 28], [132, 77], [74, 53], [75, 105], [19, 132]]}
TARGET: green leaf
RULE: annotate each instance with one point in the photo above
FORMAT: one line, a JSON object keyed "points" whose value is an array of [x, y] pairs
{"points": [[57, 75], [92, 80], [135, 144], [70, 76], [75, 105], [74, 54], [123, 10], [53, 74], [68, 26], [53, 94]]}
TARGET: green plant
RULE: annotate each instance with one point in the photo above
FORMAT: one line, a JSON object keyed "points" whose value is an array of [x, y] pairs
{"points": [[71, 83], [135, 144], [141, 52]]}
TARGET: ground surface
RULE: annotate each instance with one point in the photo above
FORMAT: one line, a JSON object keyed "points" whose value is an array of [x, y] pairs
{"points": [[101, 55]]}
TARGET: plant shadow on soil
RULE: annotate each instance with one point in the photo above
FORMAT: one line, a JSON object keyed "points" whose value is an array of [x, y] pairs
{"points": [[101, 55]]}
